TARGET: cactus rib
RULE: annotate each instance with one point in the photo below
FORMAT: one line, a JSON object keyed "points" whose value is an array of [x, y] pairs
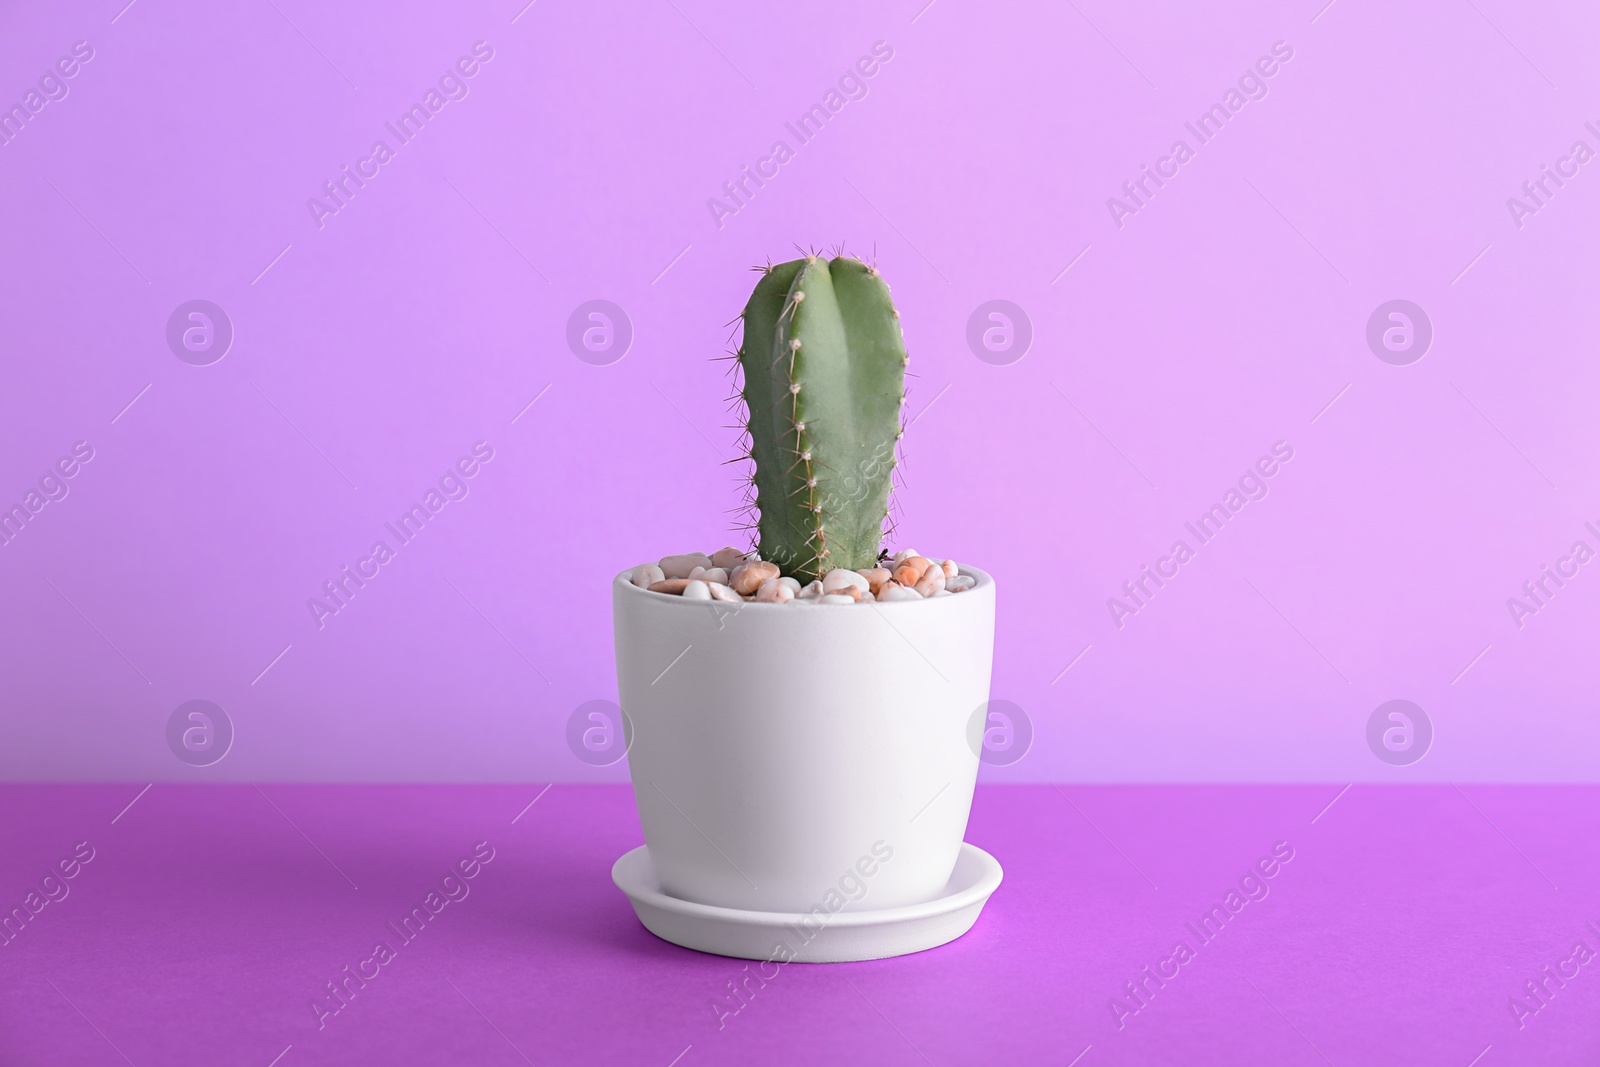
{"points": [[824, 383]]}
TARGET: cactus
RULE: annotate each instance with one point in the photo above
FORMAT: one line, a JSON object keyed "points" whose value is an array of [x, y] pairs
{"points": [[824, 368]]}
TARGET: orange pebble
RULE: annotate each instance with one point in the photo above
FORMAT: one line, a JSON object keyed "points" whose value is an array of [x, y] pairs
{"points": [[748, 578], [875, 577], [674, 586]]}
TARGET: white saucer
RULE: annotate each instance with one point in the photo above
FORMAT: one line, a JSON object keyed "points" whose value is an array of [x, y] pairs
{"points": [[848, 935]]}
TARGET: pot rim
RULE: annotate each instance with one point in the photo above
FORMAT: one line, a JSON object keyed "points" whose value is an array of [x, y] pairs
{"points": [[985, 583]]}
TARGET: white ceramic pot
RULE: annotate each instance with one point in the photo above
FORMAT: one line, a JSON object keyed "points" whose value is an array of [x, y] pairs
{"points": [[780, 750]]}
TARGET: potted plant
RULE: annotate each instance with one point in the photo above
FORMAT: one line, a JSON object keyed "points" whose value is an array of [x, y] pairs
{"points": [[805, 718]]}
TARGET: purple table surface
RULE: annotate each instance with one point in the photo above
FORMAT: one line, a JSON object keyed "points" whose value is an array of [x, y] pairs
{"points": [[211, 919]]}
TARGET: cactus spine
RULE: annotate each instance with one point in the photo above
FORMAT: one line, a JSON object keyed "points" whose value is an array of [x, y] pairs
{"points": [[824, 368]]}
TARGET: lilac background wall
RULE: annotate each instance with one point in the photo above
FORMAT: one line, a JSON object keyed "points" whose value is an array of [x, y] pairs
{"points": [[1225, 314]]}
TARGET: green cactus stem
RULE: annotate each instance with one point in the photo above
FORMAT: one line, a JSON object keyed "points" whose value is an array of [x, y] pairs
{"points": [[824, 367]]}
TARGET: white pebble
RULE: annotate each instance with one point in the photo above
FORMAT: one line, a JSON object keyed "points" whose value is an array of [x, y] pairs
{"points": [[810, 592], [932, 582], [960, 583], [836, 598], [645, 575], [950, 569], [722, 592], [793, 584], [773, 591], [901, 557], [897, 592], [836, 580], [713, 574], [697, 591], [682, 566]]}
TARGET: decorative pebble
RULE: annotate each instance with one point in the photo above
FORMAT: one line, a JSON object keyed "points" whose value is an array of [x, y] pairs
{"points": [[670, 585], [727, 558], [908, 573], [747, 578], [875, 577], [681, 566], [734, 576], [645, 575], [773, 591], [839, 579]]}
